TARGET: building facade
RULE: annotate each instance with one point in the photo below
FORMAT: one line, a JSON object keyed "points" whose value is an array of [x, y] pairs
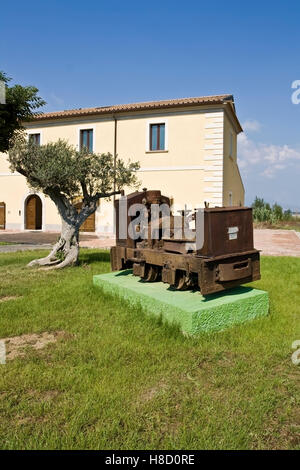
{"points": [[187, 148]]}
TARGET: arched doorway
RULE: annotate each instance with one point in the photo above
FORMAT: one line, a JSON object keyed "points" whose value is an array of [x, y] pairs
{"points": [[2, 215], [33, 213]]}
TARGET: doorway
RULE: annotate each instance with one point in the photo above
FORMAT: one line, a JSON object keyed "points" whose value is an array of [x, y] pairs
{"points": [[2, 215], [33, 213]]}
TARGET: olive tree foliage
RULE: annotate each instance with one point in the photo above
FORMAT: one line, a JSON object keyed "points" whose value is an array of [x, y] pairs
{"points": [[65, 174], [20, 105]]}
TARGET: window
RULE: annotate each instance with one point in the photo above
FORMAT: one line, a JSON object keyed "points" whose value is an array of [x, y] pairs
{"points": [[230, 198], [86, 139], [35, 139], [157, 136]]}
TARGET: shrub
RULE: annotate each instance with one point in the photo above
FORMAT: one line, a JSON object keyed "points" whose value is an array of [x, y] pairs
{"points": [[263, 212]]}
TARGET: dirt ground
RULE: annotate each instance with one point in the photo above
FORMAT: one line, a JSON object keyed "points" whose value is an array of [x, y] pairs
{"points": [[270, 242], [38, 239], [16, 346], [277, 242]]}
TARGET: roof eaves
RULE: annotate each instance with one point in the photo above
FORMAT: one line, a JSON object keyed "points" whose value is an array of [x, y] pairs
{"points": [[136, 107]]}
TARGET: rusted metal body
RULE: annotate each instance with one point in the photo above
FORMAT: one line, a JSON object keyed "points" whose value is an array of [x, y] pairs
{"points": [[227, 257]]}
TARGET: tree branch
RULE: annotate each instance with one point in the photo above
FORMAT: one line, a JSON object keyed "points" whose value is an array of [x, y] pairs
{"points": [[66, 209], [101, 195], [24, 173], [84, 190], [90, 205]]}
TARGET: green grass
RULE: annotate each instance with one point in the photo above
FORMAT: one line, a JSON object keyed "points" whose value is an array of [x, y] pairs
{"points": [[124, 380], [6, 243]]}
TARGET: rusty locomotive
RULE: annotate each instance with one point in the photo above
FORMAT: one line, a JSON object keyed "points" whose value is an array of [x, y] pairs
{"points": [[226, 259]]}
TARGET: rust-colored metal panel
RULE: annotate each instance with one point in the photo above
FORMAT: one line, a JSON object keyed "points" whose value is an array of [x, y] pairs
{"points": [[220, 274], [237, 270], [227, 258], [117, 258], [2, 215], [227, 230], [143, 197]]}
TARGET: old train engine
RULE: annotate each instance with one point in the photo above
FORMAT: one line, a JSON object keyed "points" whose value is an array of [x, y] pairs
{"points": [[225, 259]]}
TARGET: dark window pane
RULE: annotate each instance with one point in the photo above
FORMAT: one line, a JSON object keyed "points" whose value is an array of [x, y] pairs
{"points": [[154, 131], [157, 137], [161, 137], [86, 139], [90, 141], [35, 138]]}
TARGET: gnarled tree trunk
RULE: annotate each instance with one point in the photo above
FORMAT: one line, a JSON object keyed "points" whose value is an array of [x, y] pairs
{"points": [[65, 252]]}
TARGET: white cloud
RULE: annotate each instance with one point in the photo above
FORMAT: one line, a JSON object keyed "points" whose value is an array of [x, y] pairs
{"points": [[268, 159], [251, 125], [271, 170]]}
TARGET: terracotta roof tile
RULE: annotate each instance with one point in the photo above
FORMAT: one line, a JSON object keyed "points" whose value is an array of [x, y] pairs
{"points": [[149, 105]]}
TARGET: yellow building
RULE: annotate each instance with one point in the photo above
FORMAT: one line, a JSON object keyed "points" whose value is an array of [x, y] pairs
{"points": [[186, 147]]}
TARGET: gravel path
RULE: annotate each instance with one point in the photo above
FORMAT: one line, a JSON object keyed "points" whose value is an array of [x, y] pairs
{"points": [[277, 242], [270, 242], [23, 247]]}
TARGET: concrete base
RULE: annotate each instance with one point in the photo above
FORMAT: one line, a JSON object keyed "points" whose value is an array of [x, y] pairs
{"points": [[193, 312]]}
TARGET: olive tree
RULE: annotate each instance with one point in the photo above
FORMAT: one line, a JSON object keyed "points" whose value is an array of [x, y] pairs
{"points": [[64, 174], [20, 105]]}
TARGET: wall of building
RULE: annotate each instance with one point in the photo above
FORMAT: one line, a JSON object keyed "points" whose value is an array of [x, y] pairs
{"points": [[14, 191], [233, 188], [191, 169]]}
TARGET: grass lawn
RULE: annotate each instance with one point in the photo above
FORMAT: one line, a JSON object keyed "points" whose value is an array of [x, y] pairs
{"points": [[118, 379], [6, 243]]}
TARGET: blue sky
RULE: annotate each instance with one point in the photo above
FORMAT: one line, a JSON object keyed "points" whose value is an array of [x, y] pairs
{"points": [[97, 53]]}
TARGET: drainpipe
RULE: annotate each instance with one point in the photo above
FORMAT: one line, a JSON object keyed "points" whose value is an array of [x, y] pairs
{"points": [[115, 163], [115, 153]]}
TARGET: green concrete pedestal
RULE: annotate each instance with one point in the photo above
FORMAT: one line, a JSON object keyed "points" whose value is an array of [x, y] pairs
{"points": [[193, 312]]}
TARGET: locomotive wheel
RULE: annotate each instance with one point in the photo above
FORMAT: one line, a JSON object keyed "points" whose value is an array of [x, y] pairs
{"points": [[182, 281], [151, 273]]}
